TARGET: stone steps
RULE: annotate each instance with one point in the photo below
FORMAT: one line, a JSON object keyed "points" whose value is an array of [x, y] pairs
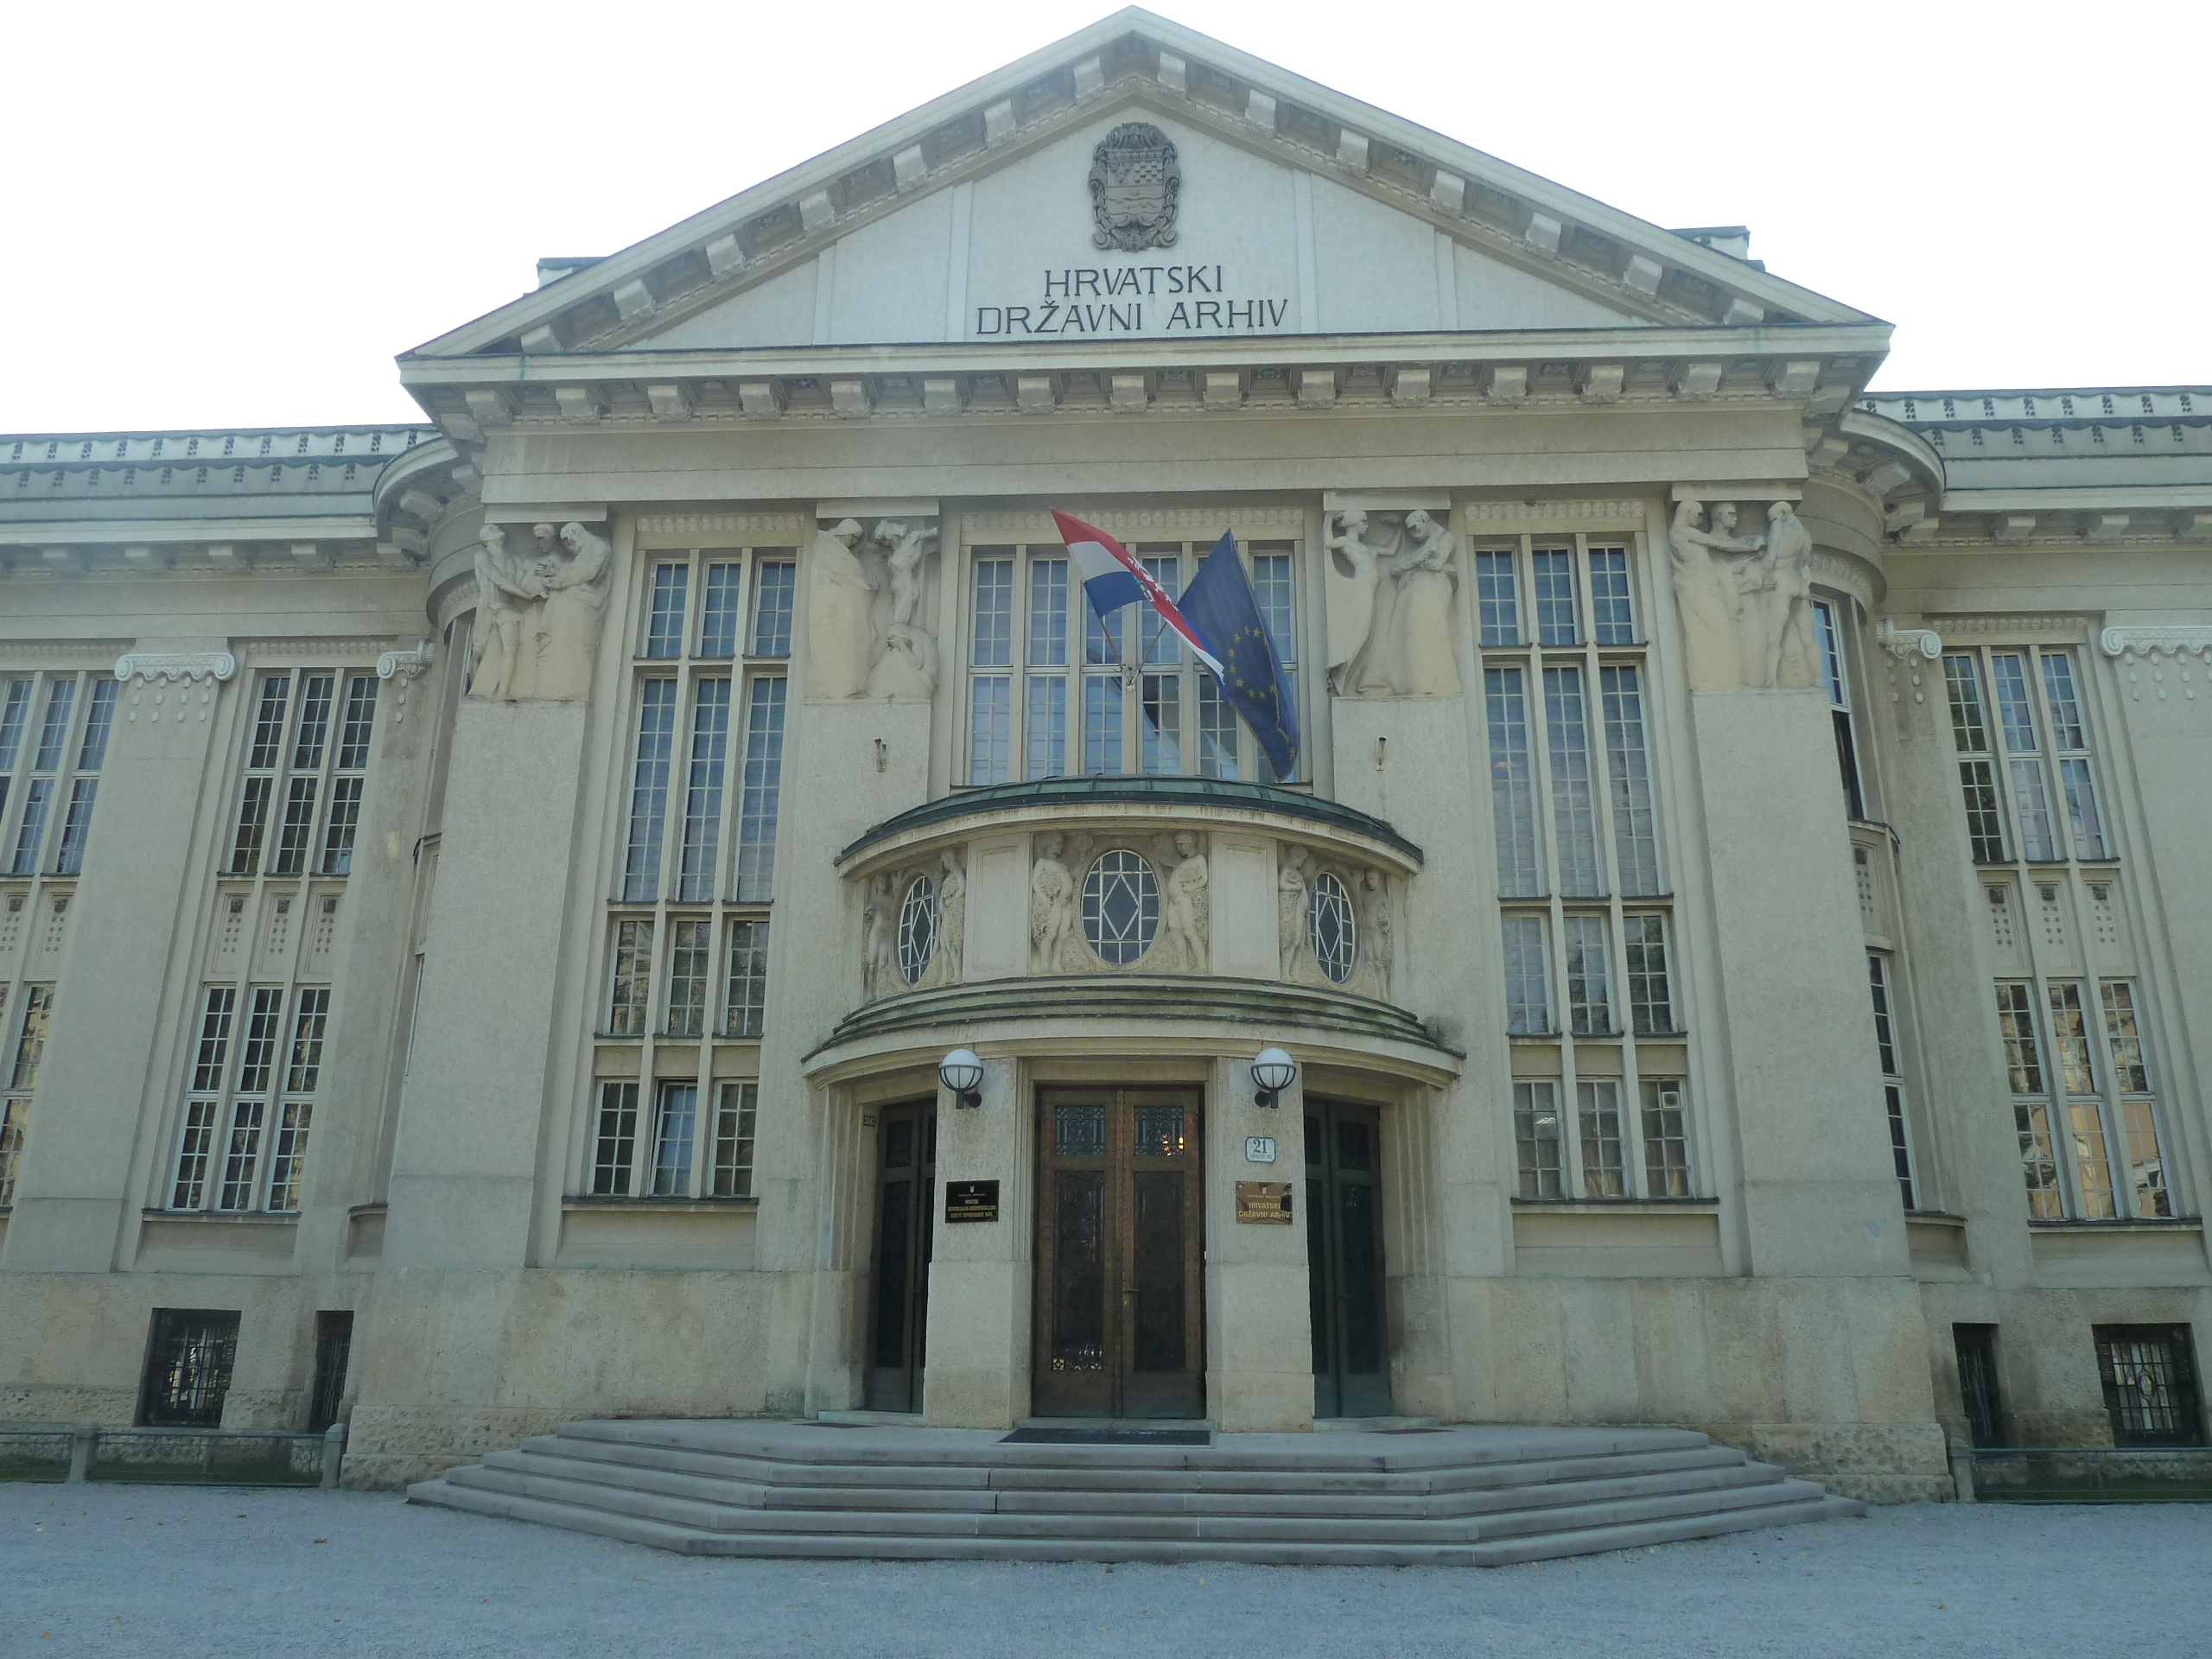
{"points": [[1461, 1497]]}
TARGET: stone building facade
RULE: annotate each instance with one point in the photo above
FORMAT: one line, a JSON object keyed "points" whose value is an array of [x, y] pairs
{"points": [[483, 903]]}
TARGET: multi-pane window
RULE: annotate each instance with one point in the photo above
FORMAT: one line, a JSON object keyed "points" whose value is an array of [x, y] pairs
{"points": [[1574, 811], [1054, 690], [34, 1010], [2038, 741], [672, 1167], [2075, 1051], [1835, 679], [1888, 1050], [2149, 1377], [54, 739], [306, 758], [251, 1079], [686, 960]]}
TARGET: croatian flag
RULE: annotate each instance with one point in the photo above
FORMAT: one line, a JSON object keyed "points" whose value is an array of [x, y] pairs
{"points": [[1112, 577]]}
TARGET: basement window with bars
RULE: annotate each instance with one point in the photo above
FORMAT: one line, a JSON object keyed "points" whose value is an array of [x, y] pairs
{"points": [[249, 1099], [54, 739], [2149, 1376], [306, 768]]}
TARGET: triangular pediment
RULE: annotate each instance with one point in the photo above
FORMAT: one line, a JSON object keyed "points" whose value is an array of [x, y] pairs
{"points": [[1297, 211]]}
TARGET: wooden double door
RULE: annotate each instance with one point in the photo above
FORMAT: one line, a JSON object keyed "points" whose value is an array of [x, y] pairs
{"points": [[899, 1300], [1119, 1324]]}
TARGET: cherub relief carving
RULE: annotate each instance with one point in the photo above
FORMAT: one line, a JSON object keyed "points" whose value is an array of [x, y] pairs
{"points": [[865, 633], [1291, 902], [1376, 946], [951, 918], [1187, 918], [879, 938], [1392, 579], [1746, 601]]}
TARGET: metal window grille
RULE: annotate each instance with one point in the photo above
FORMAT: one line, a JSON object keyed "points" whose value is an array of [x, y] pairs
{"points": [[189, 1354], [1979, 1393], [334, 1348], [2149, 1374]]}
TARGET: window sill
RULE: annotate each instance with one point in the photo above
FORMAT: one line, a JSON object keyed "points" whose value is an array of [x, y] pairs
{"points": [[228, 1218], [2128, 1224], [575, 1201], [1936, 1218], [1620, 1206]]}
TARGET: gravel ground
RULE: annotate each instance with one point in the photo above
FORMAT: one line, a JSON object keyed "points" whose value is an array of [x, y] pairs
{"points": [[175, 1571]]}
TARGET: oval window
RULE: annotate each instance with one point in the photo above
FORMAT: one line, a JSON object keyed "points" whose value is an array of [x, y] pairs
{"points": [[1121, 907], [1335, 942], [918, 929]]}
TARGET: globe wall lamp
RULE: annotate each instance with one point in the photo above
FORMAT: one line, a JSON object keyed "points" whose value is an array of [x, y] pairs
{"points": [[962, 1073], [1273, 1071]]}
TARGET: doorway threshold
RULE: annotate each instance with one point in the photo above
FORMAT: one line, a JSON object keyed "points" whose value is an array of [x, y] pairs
{"points": [[865, 1419], [1376, 1424], [1111, 1432]]}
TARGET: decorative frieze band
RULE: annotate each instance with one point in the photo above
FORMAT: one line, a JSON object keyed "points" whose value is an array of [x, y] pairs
{"points": [[2055, 625], [2172, 639], [724, 524], [1571, 512], [1207, 520], [166, 667]]}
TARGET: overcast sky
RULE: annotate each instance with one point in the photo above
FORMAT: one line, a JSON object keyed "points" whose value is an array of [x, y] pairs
{"points": [[237, 215]]}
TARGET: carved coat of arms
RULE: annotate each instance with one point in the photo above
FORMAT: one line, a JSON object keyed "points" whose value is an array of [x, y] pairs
{"points": [[1135, 180]]}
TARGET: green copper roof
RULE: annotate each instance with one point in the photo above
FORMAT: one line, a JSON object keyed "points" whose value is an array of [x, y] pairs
{"points": [[1196, 793]]}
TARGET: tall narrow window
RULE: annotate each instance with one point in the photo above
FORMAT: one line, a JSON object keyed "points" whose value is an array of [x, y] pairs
{"points": [[300, 801], [674, 1127], [718, 612], [1650, 991], [15, 1125], [1160, 730], [1599, 1116], [1528, 977], [288, 1154], [298, 827], [746, 998], [257, 1056], [1838, 684], [2069, 739], [990, 736], [735, 1107], [691, 970], [15, 713], [1612, 618], [1977, 779], [84, 789], [196, 1138], [649, 792], [1574, 812], [615, 1144], [1047, 734], [30, 1038], [1497, 599], [1666, 1141], [1512, 783], [347, 783], [2024, 757], [702, 801], [1536, 1138], [664, 618], [761, 788], [1628, 767], [2015, 1024], [1275, 587], [263, 755], [1886, 1050], [44, 782], [773, 583], [2131, 1075], [1554, 588], [2070, 1043], [630, 985], [1589, 994]]}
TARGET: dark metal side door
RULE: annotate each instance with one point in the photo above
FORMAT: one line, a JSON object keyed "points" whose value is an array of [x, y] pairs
{"points": [[1344, 1252], [1120, 1249], [906, 1201]]}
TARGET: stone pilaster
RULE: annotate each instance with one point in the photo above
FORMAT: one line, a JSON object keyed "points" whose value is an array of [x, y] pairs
{"points": [[1259, 1311], [979, 1310]]}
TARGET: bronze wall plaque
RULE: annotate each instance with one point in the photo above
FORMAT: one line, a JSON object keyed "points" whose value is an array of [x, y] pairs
{"points": [[971, 1201], [1263, 1204]]}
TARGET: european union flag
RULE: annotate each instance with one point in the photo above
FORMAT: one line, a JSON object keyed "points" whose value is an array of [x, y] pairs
{"points": [[1220, 604]]}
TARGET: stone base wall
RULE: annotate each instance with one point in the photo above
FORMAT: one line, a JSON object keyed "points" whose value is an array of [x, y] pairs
{"points": [[1881, 1463]]}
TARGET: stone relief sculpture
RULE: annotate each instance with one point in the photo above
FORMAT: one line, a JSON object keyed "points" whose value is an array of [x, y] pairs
{"points": [[1051, 909], [1377, 944], [883, 905], [1189, 918], [1291, 901], [537, 619], [865, 634], [1746, 601], [1390, 603]]}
